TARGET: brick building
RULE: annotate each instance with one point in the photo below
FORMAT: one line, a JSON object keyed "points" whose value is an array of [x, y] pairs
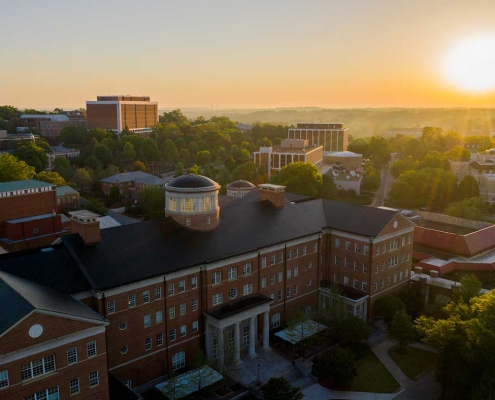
{"points": [[67, 199], [115, 113], [201, 279], [28, 215], [130, 183], [333, 137]]}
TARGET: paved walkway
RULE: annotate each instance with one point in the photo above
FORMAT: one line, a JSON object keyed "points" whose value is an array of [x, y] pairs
{"points": [[381, 351]]}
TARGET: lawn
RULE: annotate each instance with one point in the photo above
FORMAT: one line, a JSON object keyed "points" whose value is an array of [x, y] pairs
{"points": [[373, 376], [414, 362]]}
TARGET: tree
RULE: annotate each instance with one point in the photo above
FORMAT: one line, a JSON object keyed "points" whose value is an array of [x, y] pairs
{"points": [[179, 170], [360, 146], [301, 178], [353, 330], [202, 370], [138, 166], [247, 171], [468, 187], [402, 165], [61, 164], [203, 157], [470, 288], [379, 150], [265, 142], [280, 389], [170, 152], [465, 340], [96, 206], [328, 189], [50, 177], [401, 329], [337, 364], [33, 155], [458, 153], [415, 149], [151, 202], [371, 179], [473, 208], [387, 306], [114, 195], [82, 179], [103, 154], [12, 169], [194, 170], [92, 162], [128, 152]]}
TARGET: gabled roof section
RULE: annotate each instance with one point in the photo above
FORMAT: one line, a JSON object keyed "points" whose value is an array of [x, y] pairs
{"points": [[65, 190], [126, 177], [19, 297]]}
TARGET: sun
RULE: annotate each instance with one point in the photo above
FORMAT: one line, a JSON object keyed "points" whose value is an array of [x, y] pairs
{"points": [[471, 65]]}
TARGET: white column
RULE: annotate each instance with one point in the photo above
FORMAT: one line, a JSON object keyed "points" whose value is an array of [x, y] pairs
{"points": [[252, 337], [237, 343], [266, 330], [220, 347]]}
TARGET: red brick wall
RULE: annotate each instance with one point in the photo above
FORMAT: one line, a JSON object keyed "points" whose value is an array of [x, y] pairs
{"points": [[25, 230], [102, 116]]}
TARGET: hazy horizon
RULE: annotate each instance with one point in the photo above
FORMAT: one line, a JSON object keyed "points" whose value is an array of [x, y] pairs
{"points": [[250, 55]]}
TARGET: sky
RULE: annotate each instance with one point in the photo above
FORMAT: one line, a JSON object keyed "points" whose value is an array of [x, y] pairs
{"points": [[239, 54]]}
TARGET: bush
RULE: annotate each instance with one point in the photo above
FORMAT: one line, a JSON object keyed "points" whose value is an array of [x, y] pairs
{"points": [[386, 307], [337, 364], [359, 350]]}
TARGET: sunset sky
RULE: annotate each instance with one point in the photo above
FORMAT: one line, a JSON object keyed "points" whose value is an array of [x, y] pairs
{"points": [[242, 54]]}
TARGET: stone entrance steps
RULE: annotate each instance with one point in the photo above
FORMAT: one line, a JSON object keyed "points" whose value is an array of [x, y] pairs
{"points": [[297, 379]]}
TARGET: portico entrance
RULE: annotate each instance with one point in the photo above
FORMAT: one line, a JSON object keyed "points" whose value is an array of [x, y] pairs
{"points": [[231, 329]]}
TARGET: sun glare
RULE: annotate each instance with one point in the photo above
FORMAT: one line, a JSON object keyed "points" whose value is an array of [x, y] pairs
{"points": [[471, 65]]}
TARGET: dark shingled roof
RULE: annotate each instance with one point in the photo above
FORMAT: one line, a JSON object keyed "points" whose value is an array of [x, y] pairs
{"points": [[352, 218], [191, 181], [19, 297], [236, 306], [131, 253]]}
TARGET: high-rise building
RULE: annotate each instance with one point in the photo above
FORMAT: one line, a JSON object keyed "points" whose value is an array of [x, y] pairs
{"points": [[115, 113], [333, 137]]}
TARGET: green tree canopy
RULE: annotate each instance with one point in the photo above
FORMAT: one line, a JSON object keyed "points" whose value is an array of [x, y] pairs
{"points": [[151, 202], [179, 170], [337, 364], [468, 187], [203, 157], [387, 306], [471, 208], [96, 206], [12, 169], [103, 154], [469, 289], [280, 389], [415, 149], [33, 155], [353, 330], [50, 177], [328, 190], [138, 166], [401, 329], [92, 162], [82, 179], [170, 152], [128, 152], [301, 178], [247, 171], [402, 165]]}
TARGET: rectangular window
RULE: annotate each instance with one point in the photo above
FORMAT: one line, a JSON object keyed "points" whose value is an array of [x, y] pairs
{"points": [[247, 289], [315, 247], [183, 330], [346, 263], [383, 266], [281, 257], [275, 320], [158, 293], [263, 282], [346, 280], [272, 279], [131, 299], [182, 286], [356, 266], [247, 269], [272, 296], [296, 289], [272, 259], [403, 241], [72, 355], [347, 245], [289, 271], [159, 339], [287, 292], [375, 286], [384, 247], [402, 258], [146, 296], [336, 277], [38, 367], [357, 247], [395, 277], [280, 276], [388, 281], [376, 269], [182, 309], [91, 349], [304, 250], [296, 252], [381, 284], [179, 360], [171, 312], [74, 386], [4, 379], [289, 255], [158, 317], [195, 305], [263, 262], [195, 326], [364, 286], [171, 289], [147, 344], [217, 299], [355, 284], [407, 272], [365, 267], [147, 320], [232, 273], [194, 282], [400, 275], [93, 379], [173, 335], [337, 260], [407, 256], [296, 271], [216, 278], [110, 306], [279, 295], [377, 250], [408, 239], [366, 249], [337, 242]]}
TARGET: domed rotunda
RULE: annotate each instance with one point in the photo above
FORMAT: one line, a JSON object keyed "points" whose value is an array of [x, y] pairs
{"points": [[192, 201], [239, 188]]}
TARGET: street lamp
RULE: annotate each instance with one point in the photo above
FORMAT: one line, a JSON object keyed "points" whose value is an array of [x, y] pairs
{"points": [[259, 375]]}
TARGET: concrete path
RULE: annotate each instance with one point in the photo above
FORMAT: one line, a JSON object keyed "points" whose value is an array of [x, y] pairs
{"points": [[381, 351], [318, 392], [425, 389]]}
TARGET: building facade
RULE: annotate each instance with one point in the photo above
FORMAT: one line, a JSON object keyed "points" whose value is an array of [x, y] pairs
{"points": [[333, 137], [130, 183], [115, 113]]}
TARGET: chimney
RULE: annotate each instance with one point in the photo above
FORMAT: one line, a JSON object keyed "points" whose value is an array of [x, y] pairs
{"points": [[87, 224], [275, 194]]}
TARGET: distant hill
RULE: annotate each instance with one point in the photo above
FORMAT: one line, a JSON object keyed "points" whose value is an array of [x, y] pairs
{"points": [[365, 121]]}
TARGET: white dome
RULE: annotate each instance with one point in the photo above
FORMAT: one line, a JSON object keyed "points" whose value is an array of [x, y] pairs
{"points": [[345, 154]]}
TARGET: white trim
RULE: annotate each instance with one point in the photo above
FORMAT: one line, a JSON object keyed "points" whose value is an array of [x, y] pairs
{"points": [[17, 323], [362, 238], [83, 295], [51, 344], [239, 317], [182, 273], [411, 224], [383, 238], [73, 317], [119, 118], [232, 260], [133, 286]]}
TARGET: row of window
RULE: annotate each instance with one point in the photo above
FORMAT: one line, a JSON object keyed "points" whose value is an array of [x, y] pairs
{"points": [[355, 282], [357, 267], [217, 298], [273, 257], [216, 277], [182, 204], [75, 384], [397, 276], [182, 309], [392, 245]]}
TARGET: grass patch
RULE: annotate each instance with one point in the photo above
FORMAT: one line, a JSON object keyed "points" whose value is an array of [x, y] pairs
{"points": [[373, 376], [414, 361]]}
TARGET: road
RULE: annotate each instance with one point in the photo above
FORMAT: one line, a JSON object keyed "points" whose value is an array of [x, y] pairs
{"points": [[386, 183]]}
